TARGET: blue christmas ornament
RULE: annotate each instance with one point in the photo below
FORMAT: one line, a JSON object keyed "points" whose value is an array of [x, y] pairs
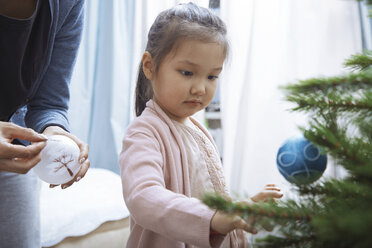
{"points": [[300, 162]]}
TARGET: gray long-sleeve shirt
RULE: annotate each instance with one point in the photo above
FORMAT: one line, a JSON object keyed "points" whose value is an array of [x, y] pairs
{"points": [[36, 60]]}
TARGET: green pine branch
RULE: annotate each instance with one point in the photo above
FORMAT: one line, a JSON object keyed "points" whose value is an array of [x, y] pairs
{"points": [[342, 95], [287, 211], [349, 150], [360, 61], [347, 189], [330, 212], [360, 80], [293, 241]]}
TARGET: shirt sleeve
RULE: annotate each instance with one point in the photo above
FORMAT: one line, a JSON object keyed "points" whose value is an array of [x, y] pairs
{"points": [[151, 204], [50, 103]]}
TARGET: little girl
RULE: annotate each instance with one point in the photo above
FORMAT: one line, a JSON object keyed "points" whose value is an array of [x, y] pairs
{"points": [[169, 160]]}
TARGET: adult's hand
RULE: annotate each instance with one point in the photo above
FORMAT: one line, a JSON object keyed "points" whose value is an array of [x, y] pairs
{"points": [[83, 157], [18, 158]]}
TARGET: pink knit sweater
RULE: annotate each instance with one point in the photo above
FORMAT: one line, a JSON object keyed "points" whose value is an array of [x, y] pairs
{"points": [[156, 186]]}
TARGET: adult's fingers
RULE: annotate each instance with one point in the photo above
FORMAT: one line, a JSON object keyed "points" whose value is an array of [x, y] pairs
{"points": [[10, 151], [84, 148], [19, 165], [12, 131], [83, 170], [83, 156]]}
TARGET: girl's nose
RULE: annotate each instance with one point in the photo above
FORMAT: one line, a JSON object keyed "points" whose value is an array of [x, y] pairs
{"points": [[198, 88]]}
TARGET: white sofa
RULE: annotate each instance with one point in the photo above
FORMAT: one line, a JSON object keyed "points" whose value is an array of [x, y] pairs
{"points": [[90, 213]]}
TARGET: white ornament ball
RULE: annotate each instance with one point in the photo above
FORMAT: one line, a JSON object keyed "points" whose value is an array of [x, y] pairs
{"points": [[59, 160]]}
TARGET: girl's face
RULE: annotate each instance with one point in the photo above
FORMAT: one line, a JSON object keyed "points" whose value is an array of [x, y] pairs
{"points": [[186, 79]]}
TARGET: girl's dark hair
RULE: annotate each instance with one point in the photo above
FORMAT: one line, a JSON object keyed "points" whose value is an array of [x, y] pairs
{"points": [[184, 21]]}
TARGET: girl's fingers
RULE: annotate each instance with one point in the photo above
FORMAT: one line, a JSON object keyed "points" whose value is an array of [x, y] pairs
{"points": [[272, 188], [241, 224], [270, 185], [276, 195], [273, 191], [272, 195]]}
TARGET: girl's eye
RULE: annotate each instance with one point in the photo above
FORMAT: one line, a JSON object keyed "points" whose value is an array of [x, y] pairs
{"points": [[186, 73], [212, 77]]}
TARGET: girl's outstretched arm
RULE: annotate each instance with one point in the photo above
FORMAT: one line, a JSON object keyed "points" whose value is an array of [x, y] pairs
{"points": [[151, 203]]}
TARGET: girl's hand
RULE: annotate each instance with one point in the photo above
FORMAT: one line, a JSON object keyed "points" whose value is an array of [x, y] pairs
{"points": [[83, 157], [271, 191], [223, 223]]}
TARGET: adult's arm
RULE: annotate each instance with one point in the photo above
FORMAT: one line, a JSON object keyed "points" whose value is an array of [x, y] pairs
{"points": [[48, 107], [47, 110]]}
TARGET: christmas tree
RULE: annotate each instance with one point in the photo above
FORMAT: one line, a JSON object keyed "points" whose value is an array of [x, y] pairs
{"points": [[330, 212]]}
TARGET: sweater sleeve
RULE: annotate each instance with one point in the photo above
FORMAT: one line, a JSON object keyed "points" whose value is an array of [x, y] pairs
{"points": [[151, 204], [50, 103]]}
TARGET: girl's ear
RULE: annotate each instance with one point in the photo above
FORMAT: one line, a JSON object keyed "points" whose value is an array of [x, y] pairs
{"points": [[148, 65]]}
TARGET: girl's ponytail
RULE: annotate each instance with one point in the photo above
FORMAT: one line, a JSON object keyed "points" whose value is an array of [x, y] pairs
{"points": [[143, 91]]}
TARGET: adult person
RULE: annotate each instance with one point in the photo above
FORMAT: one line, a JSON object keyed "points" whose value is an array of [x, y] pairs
{"points": [[39, 40]]}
